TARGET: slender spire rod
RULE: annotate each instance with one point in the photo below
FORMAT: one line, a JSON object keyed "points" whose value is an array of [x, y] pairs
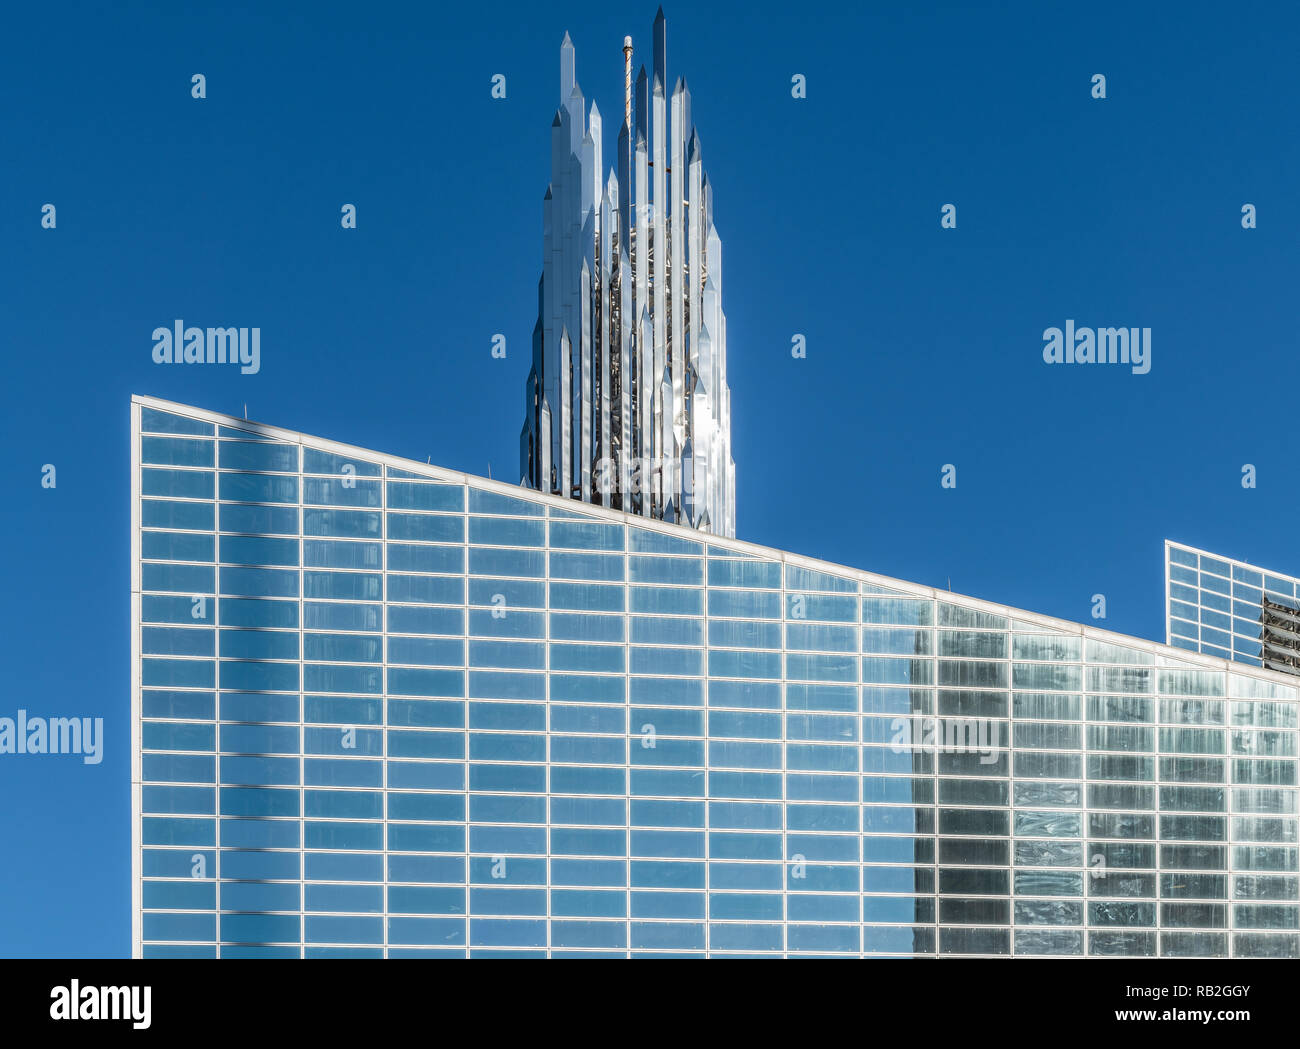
{"points": [[627, 80]]}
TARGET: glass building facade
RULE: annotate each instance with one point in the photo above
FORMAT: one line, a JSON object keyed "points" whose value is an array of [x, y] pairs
{"points": [[1231, 609], [385, 709]]}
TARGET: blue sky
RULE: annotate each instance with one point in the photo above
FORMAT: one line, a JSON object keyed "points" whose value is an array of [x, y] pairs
{"points": [[924, 344]]}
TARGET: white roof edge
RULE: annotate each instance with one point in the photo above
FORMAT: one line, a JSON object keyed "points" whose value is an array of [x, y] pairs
{"points": [[437, 473]]}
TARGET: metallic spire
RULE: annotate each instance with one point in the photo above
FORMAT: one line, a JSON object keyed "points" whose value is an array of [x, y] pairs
{"points": [[627, 397]]}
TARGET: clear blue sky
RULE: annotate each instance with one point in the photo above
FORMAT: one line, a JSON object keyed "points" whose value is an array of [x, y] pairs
{"points": [[924, 345]]}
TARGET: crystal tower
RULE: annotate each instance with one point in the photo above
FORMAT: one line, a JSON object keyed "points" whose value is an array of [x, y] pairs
{"points": [[627, 397]]}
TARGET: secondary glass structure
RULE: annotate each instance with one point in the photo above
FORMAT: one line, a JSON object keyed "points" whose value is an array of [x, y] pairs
{"points": [[386, 709], [1231, 609]]}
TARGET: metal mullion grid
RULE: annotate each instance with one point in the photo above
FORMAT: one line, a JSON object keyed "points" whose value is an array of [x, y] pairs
{"points": [[385, 539], [933, 714], [137, 437], [627, 728], [745, 707], [1229, 804], [1233, 564], [1157, 753], [302, 721], [1158, 837], [858, 723], [546, 728], [1231, 856], [934, 769], [1169, 637], [1229, 844], [465, 630], [1230, 808], [1085, 811], [702, 616], [1156, 840], [137, 685], [912, 773], [785, 802], [1013, 835], [216, 691], [218, 754], [708, 769], [1008, 661], [383, 713]]}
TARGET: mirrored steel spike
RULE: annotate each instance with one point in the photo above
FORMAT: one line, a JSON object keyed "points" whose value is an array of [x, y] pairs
{"points": [[626, 401]]}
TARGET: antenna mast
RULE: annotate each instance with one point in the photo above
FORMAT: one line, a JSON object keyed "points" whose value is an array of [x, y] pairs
{"points": [[627, 80]]}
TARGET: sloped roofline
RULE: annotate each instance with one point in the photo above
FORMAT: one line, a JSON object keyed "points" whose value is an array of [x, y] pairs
{"points": [[1166, 655]]}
